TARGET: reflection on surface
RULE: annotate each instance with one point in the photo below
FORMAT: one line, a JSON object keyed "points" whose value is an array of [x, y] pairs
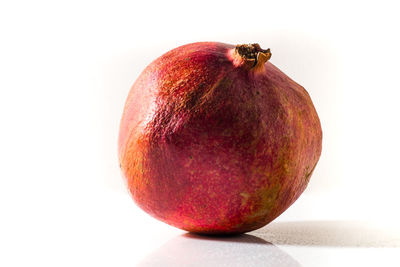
{"points": [[241, 250], [329, 233]]}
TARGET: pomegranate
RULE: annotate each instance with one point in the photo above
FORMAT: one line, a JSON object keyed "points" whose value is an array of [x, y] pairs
{"points": [[214, 139]]}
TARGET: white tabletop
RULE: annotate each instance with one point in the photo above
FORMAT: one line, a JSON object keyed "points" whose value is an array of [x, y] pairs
{"points": [[108, 229]]}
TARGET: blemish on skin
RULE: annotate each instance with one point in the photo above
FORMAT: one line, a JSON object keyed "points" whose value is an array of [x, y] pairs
{"points": [[267, 197], [285, 167], [227, 132], [308, 173], [245, 197], [307, 176], [208, 94]]}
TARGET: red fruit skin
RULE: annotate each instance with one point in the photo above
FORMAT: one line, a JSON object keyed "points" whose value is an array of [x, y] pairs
{"points": [[210, 146]]}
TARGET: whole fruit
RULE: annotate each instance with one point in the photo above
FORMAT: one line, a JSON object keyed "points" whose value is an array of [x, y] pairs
{"points": [[215, 139]]}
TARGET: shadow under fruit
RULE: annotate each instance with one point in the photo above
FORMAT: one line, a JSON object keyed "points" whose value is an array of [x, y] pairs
{"points": [[214, 139]]}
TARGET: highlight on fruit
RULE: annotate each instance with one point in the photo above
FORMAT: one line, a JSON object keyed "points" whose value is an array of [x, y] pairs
{"points": [[215, 139]]}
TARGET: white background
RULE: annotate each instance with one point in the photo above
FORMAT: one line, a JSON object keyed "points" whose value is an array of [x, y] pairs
{"points": [[66, 68]]}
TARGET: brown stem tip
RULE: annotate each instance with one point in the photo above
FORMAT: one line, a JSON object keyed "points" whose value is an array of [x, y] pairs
{"points": [[253, 55]]}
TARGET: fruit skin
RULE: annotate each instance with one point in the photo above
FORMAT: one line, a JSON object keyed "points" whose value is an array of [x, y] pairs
{"points": [[210, 145]]}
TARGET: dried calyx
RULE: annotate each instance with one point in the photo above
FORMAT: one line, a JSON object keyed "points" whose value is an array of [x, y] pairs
{"points": [[253, 54]]}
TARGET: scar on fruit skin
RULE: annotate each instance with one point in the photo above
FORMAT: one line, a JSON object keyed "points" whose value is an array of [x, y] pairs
{"points": [[308, 175]]}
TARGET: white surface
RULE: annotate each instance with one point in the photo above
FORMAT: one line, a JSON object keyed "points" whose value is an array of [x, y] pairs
{"points": [[106, 229], [65, 71]]}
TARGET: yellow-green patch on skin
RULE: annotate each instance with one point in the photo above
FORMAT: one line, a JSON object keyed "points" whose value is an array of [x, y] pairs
{"points": [[285, 166], [267, 199], [245, 197]]}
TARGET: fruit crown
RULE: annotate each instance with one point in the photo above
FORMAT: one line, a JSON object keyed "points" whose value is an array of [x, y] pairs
{"points": [[253, 54]]}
